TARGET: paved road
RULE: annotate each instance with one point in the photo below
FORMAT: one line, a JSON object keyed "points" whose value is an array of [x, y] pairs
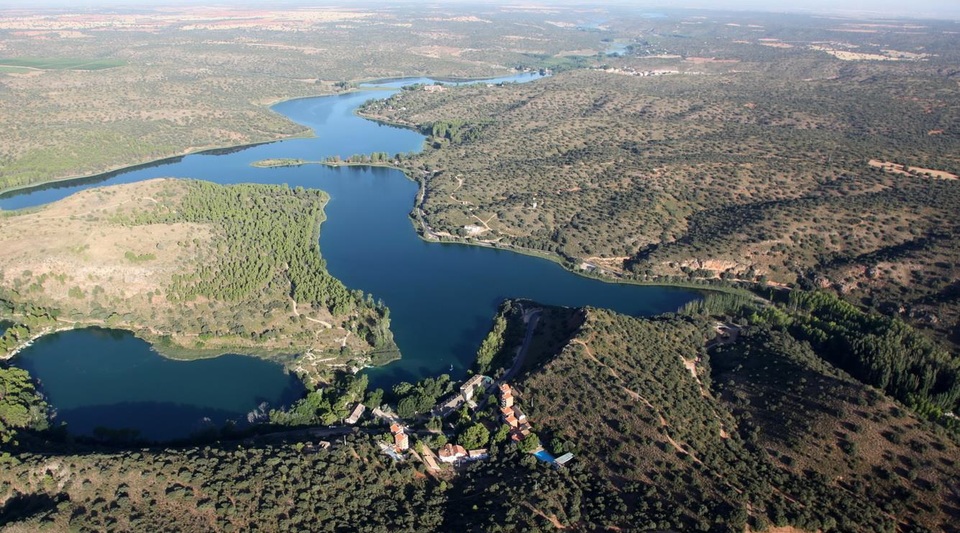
{"points": [[313, 432], [521, 357]]}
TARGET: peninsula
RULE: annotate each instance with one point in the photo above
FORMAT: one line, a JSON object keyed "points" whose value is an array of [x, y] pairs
{"points": [[196, 268]]}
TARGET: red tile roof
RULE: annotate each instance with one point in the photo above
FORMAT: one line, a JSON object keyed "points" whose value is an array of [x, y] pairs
{"points": [[453, 451]]}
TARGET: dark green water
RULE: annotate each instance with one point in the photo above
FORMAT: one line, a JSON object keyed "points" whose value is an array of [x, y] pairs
{"points": [[442, 296]]}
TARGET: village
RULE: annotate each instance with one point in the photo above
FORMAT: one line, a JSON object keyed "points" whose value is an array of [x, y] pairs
{"points": [[444, 424], [480, 395]]}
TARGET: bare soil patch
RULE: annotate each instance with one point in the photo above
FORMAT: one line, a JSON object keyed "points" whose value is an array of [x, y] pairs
{"points": [[906, 170]]}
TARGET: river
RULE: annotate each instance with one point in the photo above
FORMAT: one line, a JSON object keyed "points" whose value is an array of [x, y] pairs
{"points": [[441, 296]]}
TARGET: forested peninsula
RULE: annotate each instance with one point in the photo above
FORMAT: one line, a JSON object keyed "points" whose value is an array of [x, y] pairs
{"points": [[196, 268]]}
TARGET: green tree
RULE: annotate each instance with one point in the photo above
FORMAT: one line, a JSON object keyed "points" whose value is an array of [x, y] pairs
{"points": [[374, 398], [475, 436], [503, 432], [407, 408], [529, 444]]}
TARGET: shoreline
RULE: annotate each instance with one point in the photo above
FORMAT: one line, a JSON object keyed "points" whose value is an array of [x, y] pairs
{"points": [[420, 227], [283, 356], [123, 169], [145, 334], [309, 133], [29, 342], [427, 235]]}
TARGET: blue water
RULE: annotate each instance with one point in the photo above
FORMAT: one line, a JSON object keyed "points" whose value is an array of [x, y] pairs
{"points": [[441, 296], [97, 377], [398, 83], [545, 456]]}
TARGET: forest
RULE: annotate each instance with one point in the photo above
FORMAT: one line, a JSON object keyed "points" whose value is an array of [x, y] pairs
{"points": [[727, 154], [21, 407], [877, 350], [659, 415], [262, 230], [670, 429]]}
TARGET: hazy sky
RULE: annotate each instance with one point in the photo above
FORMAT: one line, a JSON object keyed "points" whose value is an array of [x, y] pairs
{"points": [[949, 9], [910, 8]]}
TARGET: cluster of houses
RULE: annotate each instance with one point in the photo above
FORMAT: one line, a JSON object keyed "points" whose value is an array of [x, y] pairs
{"points": [[512, 415], [475, 388], [454, 453], [401, 442], [473, 391], [472, 394], [627, 71]]}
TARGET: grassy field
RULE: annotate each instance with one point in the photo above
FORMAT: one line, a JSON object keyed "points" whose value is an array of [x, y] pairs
{"points": [[192, 283], [61, 63]]}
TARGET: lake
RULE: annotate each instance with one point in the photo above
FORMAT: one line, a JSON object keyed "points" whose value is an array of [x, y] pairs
{"points": [[106, 378], [442, 297]]}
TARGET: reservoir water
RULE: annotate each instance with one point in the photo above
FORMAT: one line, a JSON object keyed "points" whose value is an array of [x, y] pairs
{"points": [[442, 296], [107, 378]]}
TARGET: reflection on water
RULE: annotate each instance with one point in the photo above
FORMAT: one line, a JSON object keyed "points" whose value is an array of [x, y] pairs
{"points": [[442, 296], [98, 377]]}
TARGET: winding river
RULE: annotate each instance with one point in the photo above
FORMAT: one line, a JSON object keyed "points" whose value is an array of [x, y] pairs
{"points": [[441, 296]]}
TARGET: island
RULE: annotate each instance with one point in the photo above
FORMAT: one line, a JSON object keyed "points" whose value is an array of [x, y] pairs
{"points": [[278, 163]]}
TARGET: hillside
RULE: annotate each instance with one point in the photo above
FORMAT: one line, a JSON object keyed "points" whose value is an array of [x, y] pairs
{"points": [[759, 432], [715, 157], [756, 432], [269, 487], [196, 268]]}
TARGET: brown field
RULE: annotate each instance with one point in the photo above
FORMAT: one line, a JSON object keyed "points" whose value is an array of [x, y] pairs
{"points": [[905, 170], [70, 237], [74, 256]]}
